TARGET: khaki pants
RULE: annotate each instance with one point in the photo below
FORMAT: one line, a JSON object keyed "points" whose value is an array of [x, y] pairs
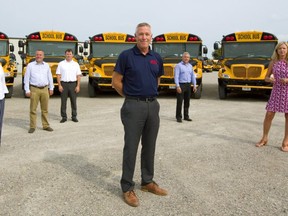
{"points": [[42, 95]]}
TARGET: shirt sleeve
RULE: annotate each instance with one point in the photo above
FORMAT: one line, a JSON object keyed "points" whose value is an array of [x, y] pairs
{"points": [[50, 79], [78, 72], [4, 88], [58, 71], [120, 64], [193, 77], [27, 78], [176, 75]]}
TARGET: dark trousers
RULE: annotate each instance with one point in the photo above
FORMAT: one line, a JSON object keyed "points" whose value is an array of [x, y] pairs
{"points": [[68, 91], [185, 95], [141, 121], [2, 105]]}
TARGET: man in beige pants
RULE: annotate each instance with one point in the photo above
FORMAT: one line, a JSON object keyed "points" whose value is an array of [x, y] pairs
{"points": [[38, 85]]}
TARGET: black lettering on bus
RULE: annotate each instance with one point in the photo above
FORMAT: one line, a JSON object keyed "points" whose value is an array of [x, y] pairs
{"points": [[58, 36], [47, 35], [244, 36], [183, 37], [173, 37], [256, 36], [111, 37], [120, 37]]}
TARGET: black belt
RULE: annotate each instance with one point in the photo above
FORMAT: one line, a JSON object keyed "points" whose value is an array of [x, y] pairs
{"points": [[146, 99], [69, 82], [39, 87]]}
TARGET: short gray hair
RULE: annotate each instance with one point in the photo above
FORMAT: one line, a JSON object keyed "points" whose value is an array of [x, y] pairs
{"points": [[143, 24]]}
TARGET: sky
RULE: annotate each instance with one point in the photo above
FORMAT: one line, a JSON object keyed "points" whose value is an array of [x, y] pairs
{"points": [[209, 19]]}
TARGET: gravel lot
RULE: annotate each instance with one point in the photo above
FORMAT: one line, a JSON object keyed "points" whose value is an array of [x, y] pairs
{"points": [[210, 166]]}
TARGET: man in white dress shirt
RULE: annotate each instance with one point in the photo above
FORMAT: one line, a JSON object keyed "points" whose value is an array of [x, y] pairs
{"points": [[68, 78]]}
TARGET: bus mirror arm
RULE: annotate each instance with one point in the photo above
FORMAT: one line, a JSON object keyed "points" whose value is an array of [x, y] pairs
{"points": [[78, 57]]}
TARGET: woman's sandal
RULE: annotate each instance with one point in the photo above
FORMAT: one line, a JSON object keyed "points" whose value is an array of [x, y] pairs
{"points": [[284, 148], [261, 143]]}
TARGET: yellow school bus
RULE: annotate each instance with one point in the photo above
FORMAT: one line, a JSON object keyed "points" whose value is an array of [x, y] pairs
{"points": [[54, 44], [8, 62], [171, 47], [104, 49], [245, 58]]}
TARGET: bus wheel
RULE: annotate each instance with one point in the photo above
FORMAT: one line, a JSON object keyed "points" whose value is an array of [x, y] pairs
{"points": [[91, 90], [222, 92], [197, 94], [10, 89]]}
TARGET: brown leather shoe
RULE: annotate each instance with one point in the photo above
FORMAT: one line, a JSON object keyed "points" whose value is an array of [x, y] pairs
{"points": [[131, 199], [31, 130], [48, 129], [154, 188]]}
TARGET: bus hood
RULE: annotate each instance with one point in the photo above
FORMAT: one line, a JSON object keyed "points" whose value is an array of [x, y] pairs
{"points": [[99, 62]]}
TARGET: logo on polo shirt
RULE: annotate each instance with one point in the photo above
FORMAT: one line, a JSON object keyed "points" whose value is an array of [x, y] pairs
{"points": [[154, 62]]}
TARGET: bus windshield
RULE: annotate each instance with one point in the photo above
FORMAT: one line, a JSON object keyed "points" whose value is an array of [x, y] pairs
{"points": [[100, 50], [176, 49], [51, 48], [3, 48], [251, 50]]}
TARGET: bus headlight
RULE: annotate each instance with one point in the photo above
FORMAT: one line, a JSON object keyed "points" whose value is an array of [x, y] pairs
{"points": [[225, 76], [94, 74], [8, 74]]}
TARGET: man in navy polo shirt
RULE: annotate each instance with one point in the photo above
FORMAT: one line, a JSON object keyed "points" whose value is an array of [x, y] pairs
{"points": [[136, 77]]}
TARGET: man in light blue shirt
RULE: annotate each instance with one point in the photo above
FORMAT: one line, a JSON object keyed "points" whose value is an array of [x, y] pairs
{"points": [[183, 77], [38, 85]]}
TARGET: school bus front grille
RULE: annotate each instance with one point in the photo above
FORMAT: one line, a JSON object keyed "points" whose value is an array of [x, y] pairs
{"points": [[169, 71], [250, 72], [254, 72], [108, 70]]}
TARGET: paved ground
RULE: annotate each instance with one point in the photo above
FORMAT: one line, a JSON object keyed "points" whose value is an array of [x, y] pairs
{"points": [[210, 166]]}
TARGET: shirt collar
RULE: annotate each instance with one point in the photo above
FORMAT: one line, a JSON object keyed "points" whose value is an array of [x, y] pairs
{"points": [[138, 52], [41, 63], [185, 63]]}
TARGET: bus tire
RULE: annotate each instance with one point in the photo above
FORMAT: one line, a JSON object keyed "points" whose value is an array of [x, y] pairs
{"points": [[222, 92], [197, 94], [91, 90], [10, 89]]}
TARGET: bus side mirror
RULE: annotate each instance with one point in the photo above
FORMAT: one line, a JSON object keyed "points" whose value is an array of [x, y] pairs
{"points": [[22, 55], [205, 50], [85, 45], [12, 57], [11, 48], [20, 43], [216, 46]]}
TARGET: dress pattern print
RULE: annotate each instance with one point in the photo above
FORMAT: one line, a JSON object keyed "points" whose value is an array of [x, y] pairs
{"points": [[278, 101]]}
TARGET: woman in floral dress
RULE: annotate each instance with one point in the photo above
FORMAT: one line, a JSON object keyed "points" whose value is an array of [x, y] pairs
{"points": [[278, 101]]}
